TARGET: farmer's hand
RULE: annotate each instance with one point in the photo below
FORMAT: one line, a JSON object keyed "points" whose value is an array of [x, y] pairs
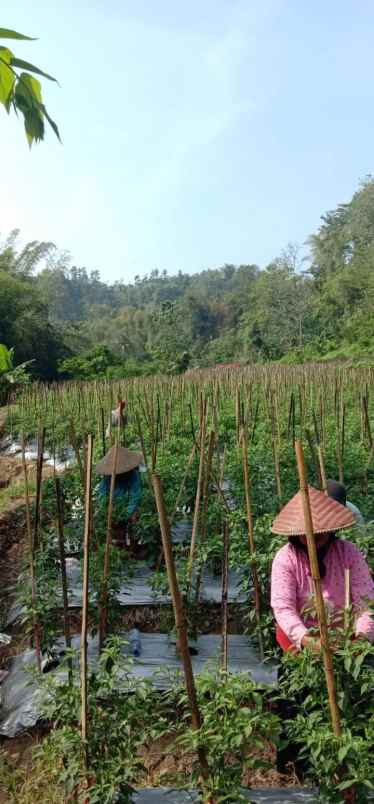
{"points": [[134, 517], [313, 643]]}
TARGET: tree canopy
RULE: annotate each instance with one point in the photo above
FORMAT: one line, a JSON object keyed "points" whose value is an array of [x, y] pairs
{"points": [[75, 325]]}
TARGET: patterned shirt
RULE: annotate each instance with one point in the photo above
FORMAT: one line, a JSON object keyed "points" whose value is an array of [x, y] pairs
{"points": [[292, 588]]}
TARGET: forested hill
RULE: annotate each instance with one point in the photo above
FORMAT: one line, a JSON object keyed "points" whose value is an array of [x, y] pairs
{"points": [[72, 324]]}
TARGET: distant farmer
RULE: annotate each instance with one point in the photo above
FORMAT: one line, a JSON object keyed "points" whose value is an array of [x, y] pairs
{"points": [[118, 417], [338, 492], [291, 582], [127, 490]]}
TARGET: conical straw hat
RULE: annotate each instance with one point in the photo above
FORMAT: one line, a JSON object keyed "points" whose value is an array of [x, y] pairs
{"points": [[126, 461], [328, 515]]}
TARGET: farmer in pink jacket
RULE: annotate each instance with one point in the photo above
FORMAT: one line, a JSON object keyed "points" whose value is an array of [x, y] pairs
{"points": [[291, 582]]}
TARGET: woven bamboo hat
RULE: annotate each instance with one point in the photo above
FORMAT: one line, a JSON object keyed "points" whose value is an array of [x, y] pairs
{"points": [[126, 461], [328, 516]]}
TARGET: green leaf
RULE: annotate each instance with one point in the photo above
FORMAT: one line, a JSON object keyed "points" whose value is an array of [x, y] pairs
{"points": [[346, 784], [7, 78], [342, 753], [6, 33], [5, 358], [5, 54], [25, 65], [33, 86], [51, 123]]}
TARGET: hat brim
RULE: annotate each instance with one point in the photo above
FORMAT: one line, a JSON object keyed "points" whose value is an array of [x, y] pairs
{"points": [[126, 461], [328, 516]]}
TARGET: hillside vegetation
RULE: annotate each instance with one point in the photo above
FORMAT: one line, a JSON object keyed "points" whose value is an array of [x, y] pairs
{"points": [[73, 324]]}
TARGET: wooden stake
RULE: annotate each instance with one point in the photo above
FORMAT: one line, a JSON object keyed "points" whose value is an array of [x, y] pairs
{"points": [[198, 497], [347, 594], [103, 441], [322, 468], [103, 616], [314, 456], [74, 442], [204, 516], [180, 620], [183, 483], [39, 474], [225, 586], [320, 605], [64, 584], [251, 540], [35, 623], [84, 629]]}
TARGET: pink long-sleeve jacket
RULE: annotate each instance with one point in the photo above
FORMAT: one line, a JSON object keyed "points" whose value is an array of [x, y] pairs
{"points": [[292, 589]]}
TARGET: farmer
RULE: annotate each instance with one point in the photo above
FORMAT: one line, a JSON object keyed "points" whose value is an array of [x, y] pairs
{"points": [[118, 417], [338, 492], [291, 582], [127, 490]]}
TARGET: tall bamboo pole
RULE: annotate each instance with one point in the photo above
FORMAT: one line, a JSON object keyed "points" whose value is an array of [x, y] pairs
{"points": [[314, 455], [251, 539], [102, 421], [73, 439], [64, 584], [84, 629], [180, 620], [199, 489], [225, 590], [34, 596], [322, 469], [320, 605], [39, 474], [183, 483], [103, 616], [204, 516]]}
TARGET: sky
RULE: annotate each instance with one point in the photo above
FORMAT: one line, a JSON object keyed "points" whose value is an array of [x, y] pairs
{"points": [[194, 133]]}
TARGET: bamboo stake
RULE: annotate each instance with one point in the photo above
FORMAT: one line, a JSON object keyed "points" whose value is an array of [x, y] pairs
{"points": [[365, 406], [251, 540], [61, 545], [180, 621], [204, 516], [84, 629], [74, 442], [314, 456], [103, 431], [322, 468], [198, 498], [183, 483], [103, 616], [225, 586], [36, 633], [347, 595], [320, 605], [39, 473]]}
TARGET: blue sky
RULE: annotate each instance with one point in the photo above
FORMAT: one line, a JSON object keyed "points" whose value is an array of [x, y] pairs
{"points": [[194, 133]]}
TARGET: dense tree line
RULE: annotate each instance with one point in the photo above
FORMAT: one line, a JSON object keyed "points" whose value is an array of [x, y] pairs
{"points": [[72, 324]]}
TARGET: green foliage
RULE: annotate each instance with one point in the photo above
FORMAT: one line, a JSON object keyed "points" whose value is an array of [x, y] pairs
{"points": [[11, 377], [6, 359], [335, 764], [122, 707], [296, 310], [94, 363], [21, 91], [236, 727]]}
